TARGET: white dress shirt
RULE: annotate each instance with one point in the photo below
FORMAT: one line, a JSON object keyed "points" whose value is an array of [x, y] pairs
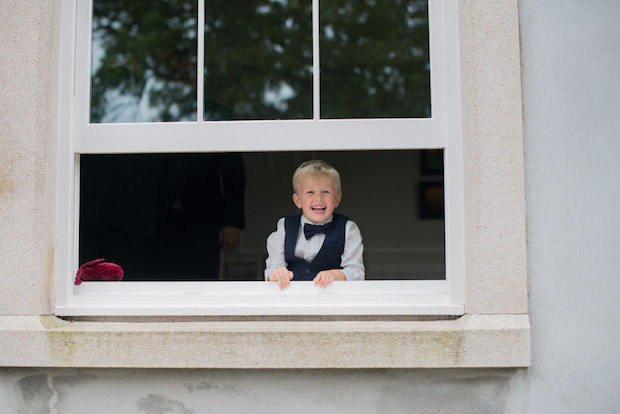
{"points": [[351, 260]]}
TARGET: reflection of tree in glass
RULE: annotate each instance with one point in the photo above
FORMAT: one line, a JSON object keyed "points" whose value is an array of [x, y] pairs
{"points": [[144, 60], [258, 59], [374, 59]]}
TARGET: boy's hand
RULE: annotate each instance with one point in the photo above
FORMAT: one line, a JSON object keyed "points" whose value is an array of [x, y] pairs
{"points": [[281, 275], [326, 277], [229, 238]]}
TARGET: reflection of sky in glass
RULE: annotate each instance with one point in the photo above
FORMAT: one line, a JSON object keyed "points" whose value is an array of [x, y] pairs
{"points": [[277, 97], [328, 30], [97, 52], [120, 107]]}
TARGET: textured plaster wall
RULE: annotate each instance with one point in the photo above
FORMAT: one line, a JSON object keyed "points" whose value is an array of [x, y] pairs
{"points": [[28, 129], [571, 89]]}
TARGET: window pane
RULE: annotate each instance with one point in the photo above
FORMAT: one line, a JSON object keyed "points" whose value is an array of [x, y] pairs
{"points": [[258, 60], [143, 61], [374, 59]]}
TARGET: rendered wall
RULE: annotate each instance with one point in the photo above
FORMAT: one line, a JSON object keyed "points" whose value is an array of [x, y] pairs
{"points": [[570, 53]]}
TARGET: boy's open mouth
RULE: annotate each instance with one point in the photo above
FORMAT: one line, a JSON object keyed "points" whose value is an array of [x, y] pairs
{"points": [[318, 209]]}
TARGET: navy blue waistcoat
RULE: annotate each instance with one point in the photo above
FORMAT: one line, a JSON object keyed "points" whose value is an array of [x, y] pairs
{"points": [[328, 256]]}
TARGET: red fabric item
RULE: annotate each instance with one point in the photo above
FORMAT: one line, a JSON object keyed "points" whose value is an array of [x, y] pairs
{"points": [[99, 270]]}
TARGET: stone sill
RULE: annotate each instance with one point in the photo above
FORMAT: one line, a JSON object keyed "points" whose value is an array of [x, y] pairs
{"points": [[470, 341]]}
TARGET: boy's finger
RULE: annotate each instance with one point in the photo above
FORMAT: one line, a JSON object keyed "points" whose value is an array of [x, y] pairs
{"points": [[285, 280]]}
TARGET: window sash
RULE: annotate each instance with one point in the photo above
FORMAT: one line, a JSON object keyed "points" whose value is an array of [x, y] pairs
{"points": [[78, 136], [408, 133], [246, 136]]}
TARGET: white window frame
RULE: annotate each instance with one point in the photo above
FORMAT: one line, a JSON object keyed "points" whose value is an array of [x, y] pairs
{"points": [[77, 136]]}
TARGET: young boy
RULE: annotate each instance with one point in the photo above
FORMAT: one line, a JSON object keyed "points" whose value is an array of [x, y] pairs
{"points": [[316, 245]]}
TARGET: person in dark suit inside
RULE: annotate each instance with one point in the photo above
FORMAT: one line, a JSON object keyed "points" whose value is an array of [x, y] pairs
{"points": [[162, 217], [202, 213]]}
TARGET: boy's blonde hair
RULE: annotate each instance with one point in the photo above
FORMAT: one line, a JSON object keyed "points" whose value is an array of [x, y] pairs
{"points": [[316, 168]]}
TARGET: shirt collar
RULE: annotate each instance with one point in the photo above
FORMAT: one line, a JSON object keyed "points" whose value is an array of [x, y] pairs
{"points": [[304, 220]]}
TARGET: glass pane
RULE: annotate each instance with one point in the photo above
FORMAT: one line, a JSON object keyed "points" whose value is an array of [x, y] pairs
{"points": [[258, 60], [374, 59], [143, 61]]}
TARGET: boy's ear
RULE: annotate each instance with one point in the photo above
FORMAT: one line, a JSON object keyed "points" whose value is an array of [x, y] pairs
{"points": [[296, 200], [338, 199]]}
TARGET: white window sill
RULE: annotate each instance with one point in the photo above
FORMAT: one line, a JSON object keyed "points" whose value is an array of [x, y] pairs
{"points": [[259, 298], [469, 341]]}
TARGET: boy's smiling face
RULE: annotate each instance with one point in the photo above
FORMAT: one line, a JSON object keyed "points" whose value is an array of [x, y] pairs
{"points": [[317, 198]]}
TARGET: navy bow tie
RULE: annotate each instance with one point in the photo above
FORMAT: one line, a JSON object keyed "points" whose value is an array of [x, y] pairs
{"points": [[311, 229]]}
